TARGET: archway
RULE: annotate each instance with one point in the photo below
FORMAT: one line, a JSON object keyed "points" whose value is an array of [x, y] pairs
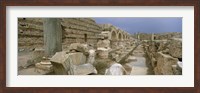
{"points": [[120, 36], [124, 36], [113, 35]]}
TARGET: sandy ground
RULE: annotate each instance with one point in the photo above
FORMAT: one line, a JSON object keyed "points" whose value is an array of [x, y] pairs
{"points": [[23, 57]]}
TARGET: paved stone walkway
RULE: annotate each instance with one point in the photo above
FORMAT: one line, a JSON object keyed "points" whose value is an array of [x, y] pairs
{"points": [[138, 66]]}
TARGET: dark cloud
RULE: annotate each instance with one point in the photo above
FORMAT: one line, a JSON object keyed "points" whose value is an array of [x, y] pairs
{"points": [[144, 25]]}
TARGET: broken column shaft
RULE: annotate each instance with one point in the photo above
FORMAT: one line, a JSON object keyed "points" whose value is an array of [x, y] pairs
{"points": [[52, 36]]}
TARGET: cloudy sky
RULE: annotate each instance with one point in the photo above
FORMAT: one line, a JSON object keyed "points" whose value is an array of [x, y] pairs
{"points": [[146, 25]]}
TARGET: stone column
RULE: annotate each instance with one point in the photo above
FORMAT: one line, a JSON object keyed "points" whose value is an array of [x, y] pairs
{"points": [[152, 37], [138, 36], [52, 35]]}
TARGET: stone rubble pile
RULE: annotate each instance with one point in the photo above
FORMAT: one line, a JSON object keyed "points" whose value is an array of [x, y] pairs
{"points": [[103, 46], [109, 58], [88, 48], [74, 63], [164, 56]]}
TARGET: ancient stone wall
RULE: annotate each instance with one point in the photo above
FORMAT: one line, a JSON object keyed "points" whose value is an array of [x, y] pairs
{"points": [[30, 31], [116, 34], [165, 56], [158, 36], [145, 36], [166, 36]]}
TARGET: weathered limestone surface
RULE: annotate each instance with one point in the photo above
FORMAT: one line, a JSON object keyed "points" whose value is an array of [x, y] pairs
{"points": [[103, 46], [164, 55], [101, 65], [81, 41], [175, 48], [30, 32], [77, 28], [115, 69], [166, 36], [103, 53], [84, 69], [103, 43], [63, 62], [164, 64], [44, 66], [74, 30], [78, 47], [106, 34], [160, 36], [60, 62], [114, 44], [144, 36], [91, 57]]}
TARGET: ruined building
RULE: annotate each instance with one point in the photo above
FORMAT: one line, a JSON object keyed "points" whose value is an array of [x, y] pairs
{"points": [[74, 30], [76, 33], [80, 46], [164, 52]]}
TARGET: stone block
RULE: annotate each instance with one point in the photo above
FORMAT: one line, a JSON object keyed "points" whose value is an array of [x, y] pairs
{"points": [[103, 43], [115, 69], [78, 47], [84, 69], [103, 53], [106, 35], [164, 64], [175, 47], [63, 62], [91, 57], [77, 58], [101, 65], [44, 66]]}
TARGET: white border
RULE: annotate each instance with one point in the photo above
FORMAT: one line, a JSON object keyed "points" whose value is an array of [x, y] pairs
{"points": [[185, 80]]}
